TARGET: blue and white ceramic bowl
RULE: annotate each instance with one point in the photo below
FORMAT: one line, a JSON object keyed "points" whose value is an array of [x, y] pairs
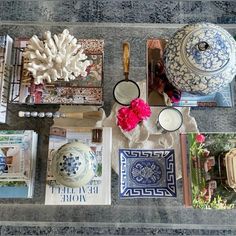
{"points": [[200, 58], [74, 164]]}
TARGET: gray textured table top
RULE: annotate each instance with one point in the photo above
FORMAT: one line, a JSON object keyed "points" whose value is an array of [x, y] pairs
{"points": [[148, 214]]}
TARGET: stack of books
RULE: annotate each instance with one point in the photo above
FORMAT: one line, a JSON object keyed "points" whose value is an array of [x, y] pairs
{"points": [[18, 150]]}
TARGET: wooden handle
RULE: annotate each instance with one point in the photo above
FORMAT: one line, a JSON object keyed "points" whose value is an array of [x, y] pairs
{"points": [[126, 59], [84, 115]]}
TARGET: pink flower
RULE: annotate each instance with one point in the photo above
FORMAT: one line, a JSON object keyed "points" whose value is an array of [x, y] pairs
{"points": [[127, 119], [200, 138], [140, 108]]}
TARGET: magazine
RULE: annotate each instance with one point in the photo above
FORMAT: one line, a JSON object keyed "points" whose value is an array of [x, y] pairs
{"points": [[6, 43], [83, 90], [98, 190], [17, 163], [161, 93], [209, 170]]}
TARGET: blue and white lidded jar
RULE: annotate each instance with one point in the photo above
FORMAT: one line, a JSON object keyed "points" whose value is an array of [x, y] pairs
{"points": [[200, 58], [74, 164]]}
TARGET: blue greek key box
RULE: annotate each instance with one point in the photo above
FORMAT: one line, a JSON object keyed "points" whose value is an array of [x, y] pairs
{"points": [[147, 173]]}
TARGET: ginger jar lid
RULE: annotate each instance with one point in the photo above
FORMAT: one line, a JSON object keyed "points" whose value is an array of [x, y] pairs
{"points": [[200, 58], [207, 48], [74, 164]]}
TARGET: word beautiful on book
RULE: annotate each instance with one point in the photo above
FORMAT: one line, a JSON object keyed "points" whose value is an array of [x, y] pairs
{"points": [[209, 170], [75, 194]]}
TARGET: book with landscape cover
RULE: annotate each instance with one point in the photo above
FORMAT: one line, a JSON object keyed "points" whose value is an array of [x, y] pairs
{"points": [[18, 150], [6, 44], [98, 190], [83, 90], [161, 93], [209, 170]]}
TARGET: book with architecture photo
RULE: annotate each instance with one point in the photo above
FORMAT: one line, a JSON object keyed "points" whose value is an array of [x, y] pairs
{"points": [[98, 190], [209, 170], [18, 150]]}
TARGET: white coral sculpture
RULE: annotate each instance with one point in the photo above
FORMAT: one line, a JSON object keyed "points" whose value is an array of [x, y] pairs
{"points": [[57, 57]]}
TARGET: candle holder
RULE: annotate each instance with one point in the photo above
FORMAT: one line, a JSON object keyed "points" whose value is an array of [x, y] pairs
{"points": [[169, 120]]}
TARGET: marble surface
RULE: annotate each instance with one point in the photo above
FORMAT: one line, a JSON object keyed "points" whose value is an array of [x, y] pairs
{"points": [[107, 229], [123, 217], [127, 11]]}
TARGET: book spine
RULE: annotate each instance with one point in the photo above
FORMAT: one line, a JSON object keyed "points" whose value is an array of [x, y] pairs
{"points": [[187, 194], [33, 163], [106, 162], [5, 73]]}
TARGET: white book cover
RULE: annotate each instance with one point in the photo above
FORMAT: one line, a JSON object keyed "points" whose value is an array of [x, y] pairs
{"points": [[98, 190]]}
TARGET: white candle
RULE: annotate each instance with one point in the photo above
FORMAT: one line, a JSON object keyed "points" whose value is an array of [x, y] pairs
{"points": [[170, 119]]}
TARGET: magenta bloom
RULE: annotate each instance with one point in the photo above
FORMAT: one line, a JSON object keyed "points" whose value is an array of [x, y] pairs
{"points": [[140, 108], [200, 138], [127, 119]]}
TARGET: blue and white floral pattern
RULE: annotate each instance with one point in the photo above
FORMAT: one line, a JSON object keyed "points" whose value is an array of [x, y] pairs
{"points": [[74, 164], [70, 164], [146, 172], [214, 55], [200, 58]]}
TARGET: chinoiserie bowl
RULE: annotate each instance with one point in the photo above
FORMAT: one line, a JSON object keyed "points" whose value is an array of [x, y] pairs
{"points": [[74, 164], [200, 58]]}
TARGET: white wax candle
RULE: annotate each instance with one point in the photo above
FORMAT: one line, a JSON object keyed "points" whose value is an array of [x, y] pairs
{"points": [[170, 119]]}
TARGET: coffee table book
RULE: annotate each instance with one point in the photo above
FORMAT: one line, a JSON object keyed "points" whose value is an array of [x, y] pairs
{"points": [[209, 170], [98, 190], [83, 90], [18, 150]]}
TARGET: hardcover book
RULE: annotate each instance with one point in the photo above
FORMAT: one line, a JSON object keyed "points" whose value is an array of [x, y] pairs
{"points": [[161, 93], [18, 150], [209, 170], [83, 90], [98, 190], [6, 44]]}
